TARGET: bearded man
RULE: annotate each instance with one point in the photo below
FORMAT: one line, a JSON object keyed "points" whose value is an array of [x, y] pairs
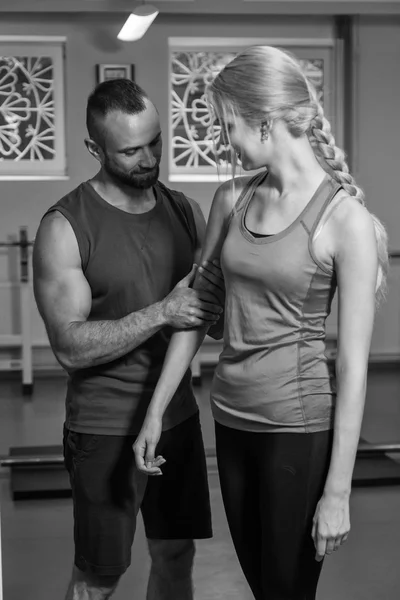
{"points": [[113, 263]]}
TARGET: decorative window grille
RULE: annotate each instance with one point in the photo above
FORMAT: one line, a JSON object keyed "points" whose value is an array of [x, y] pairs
{"points": [[192, 129], [32, 138], [196, 151]]}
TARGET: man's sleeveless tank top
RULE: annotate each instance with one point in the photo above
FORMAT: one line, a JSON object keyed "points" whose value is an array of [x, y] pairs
{"points": [[273, 375], [130, 261]]}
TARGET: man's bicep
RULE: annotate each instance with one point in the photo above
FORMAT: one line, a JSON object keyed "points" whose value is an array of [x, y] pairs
{"points": [[62, 299], [61, 290]]}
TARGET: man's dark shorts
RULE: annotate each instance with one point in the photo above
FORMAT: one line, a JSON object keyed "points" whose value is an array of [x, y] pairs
{"points": [[108, 492]]}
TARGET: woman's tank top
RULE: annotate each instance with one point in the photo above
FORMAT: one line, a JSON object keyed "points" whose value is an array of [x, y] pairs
{"points": [[273, 374]]}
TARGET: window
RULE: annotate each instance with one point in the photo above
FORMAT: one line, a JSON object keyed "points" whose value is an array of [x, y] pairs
{"points": [[193, 153], [32, 138]]}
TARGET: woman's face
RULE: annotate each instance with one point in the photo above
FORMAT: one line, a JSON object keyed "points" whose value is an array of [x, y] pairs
{"points": [[247, 142]]}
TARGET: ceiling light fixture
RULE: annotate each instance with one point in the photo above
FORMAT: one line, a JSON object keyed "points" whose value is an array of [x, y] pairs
{"points": [[138, 23]]}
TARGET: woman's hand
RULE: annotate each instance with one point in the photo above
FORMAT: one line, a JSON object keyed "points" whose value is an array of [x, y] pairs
{"points": [[145, 446], [331, 524]]}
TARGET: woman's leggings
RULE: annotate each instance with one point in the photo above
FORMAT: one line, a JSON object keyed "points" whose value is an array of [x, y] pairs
{"points": [[271, 484]]}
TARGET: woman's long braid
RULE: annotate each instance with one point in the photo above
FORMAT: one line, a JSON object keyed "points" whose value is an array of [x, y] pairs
{"points": [[323, 142], [322, 137]]}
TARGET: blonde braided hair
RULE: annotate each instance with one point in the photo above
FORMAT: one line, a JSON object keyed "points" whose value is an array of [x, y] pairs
{"points": [[274, 86], [333, 160]]}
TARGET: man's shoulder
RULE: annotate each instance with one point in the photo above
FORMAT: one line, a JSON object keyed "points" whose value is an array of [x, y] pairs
{"points": [[181, 199], [184, 201], [71, 198], [188, 208], [175, 194], [78, 194]]}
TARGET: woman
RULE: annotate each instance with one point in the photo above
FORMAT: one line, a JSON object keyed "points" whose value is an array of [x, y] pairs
{"points": [[286, 432]]}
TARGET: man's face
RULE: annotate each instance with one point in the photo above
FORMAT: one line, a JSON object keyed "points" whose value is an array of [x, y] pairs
{"points": [[132, 147]]}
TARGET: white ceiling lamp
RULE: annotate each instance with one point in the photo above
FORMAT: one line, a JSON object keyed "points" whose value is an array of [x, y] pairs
{"points": [[138, 23]]}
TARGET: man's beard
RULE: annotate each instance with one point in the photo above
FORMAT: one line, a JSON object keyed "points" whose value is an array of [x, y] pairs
{"points": [[140, 181]]}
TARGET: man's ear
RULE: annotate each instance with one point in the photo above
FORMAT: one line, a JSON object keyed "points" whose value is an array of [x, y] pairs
{"points": [[93, 148]]}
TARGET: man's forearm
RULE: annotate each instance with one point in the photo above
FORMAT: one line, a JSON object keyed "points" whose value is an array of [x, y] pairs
{"points": [[90, 343]]}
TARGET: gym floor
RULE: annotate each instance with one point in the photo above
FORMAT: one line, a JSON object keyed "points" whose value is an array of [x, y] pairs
{"points": [[37, 534]]}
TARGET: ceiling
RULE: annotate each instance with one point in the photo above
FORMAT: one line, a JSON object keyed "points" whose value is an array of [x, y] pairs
{"points": [[226, 7]]}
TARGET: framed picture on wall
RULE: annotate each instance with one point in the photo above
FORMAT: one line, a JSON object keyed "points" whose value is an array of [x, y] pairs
{"points": [[107, 72], [32, 128], [196, 150]]}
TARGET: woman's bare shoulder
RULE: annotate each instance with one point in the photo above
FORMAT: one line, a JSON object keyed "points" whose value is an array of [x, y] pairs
{"points": [[228, 192], [346, 213], [346, 223]]}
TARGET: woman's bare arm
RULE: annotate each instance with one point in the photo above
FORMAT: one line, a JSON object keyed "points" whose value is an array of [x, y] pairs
{"points": [[356, 265], [184, 344]]}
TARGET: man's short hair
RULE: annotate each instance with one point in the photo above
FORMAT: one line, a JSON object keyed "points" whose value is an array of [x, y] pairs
{"points": [[115, 95]]}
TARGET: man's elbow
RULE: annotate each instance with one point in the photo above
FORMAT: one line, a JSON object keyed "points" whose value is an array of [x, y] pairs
{"points": [[65, 355], [65, 360]]}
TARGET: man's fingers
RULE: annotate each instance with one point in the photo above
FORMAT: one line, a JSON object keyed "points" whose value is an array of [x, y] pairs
{"points": [[212, 274], [214, 278], [198, 317], [214, 264], [214, 288], [211, 308]]}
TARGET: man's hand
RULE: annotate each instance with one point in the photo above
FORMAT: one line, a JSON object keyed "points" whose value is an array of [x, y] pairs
{"points": [[185, 308], [145, 445], [211, 279]]}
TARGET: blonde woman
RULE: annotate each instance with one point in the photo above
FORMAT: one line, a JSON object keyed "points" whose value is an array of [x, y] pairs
{"points": [[286, 429]]}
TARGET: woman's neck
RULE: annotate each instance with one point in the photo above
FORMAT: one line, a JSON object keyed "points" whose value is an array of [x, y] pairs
{"points": [[294, 166]]}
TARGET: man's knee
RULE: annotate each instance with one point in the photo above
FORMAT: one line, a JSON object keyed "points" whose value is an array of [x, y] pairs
{"points": [[172, 558], [93, 586]]}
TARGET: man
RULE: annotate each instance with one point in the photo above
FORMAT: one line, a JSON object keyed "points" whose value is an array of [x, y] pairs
{"points": [[113, 262]]}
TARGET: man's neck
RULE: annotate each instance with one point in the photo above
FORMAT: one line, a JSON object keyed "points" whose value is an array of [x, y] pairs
{"points": [[124, 197]]}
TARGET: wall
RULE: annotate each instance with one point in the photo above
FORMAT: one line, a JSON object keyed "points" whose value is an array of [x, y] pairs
{"points": [[377, 155], [92, 40]]}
